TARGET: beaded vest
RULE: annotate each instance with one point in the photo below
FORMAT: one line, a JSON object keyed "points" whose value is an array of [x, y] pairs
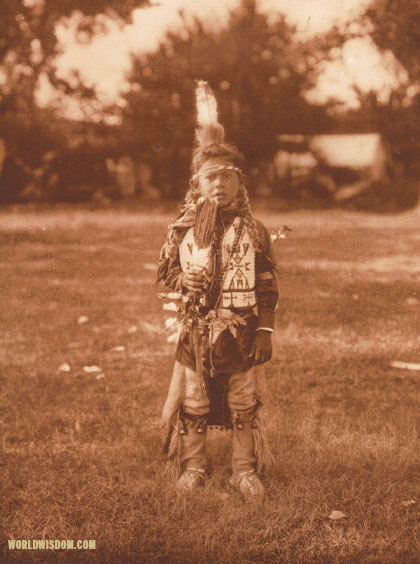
{"points": [[238, 267]]}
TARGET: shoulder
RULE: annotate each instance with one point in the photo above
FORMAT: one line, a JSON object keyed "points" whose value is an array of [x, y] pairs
{"points": [[181, 225], [260, 224], [262, 230], [176, 234], [266, 246]]}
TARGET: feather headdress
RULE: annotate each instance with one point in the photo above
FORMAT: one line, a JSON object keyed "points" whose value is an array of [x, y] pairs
{"points": [[209, 130], [199, 212]]}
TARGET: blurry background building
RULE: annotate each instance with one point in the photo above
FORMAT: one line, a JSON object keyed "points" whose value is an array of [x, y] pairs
{"points": [[332, 166]]}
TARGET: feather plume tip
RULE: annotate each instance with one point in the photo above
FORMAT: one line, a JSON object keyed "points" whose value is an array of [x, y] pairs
{"points": [[208, 130]]}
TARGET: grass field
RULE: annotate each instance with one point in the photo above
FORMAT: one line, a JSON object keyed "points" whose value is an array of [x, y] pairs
{"points": [[80, 452]]}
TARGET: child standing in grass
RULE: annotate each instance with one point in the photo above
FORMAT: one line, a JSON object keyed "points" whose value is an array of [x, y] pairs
{"points": [[220, 259]]}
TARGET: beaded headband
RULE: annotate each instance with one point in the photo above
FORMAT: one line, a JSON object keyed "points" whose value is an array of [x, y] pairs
{"points": [[215, 168]]}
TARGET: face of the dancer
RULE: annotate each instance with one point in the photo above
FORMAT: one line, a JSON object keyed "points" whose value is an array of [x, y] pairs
{"points": [[222, 185]]}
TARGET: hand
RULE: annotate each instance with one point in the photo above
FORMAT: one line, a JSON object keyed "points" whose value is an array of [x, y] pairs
{"points": [[194, 281], [262, 348]]}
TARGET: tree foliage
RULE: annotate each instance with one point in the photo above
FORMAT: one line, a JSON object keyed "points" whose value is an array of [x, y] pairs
{"points": [[258, 72], [393, 25], [28, 47], [28, 43], [396, 26]]}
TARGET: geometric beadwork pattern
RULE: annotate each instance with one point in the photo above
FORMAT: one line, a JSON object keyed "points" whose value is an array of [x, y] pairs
{"points": [[239, 283]]}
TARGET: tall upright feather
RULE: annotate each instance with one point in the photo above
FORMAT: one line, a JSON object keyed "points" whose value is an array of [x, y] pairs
{"points": [[206, 104], [208, 130]]}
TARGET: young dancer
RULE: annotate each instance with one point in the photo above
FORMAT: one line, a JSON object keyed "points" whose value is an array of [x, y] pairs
{"points": [[220, 259]]}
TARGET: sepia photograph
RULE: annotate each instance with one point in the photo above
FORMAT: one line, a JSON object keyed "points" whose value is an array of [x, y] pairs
{"points": [[210, 281]]}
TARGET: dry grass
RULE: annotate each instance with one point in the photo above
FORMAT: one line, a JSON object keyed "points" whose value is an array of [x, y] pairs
{"points": [[80, 456]]}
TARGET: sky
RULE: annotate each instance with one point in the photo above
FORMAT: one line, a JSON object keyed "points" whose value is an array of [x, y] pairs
{"points": [[105, 62]]}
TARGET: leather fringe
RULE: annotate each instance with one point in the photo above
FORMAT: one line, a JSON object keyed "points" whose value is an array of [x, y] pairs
{"points": [[173, 462], [163, 270], [262, 451], [205, 223]]}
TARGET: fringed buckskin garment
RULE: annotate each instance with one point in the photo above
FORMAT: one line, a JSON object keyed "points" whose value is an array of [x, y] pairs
{"points": [[229, 354], [218, 249], [206, 402]]}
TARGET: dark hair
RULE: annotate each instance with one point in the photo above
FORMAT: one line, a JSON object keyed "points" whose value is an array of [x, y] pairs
{"points": [[225, 150]]}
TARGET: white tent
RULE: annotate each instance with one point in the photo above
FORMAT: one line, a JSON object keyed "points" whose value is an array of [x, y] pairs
{"points": [[359, 152]]}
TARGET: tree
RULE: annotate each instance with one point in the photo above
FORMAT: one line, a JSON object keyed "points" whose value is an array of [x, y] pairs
{"points": [[258, 73], [28, 47], [28, 44], [396, 26]]}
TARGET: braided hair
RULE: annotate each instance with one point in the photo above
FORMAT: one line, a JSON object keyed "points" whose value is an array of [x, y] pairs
{"points": [[189, 210], [241, 202]]}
